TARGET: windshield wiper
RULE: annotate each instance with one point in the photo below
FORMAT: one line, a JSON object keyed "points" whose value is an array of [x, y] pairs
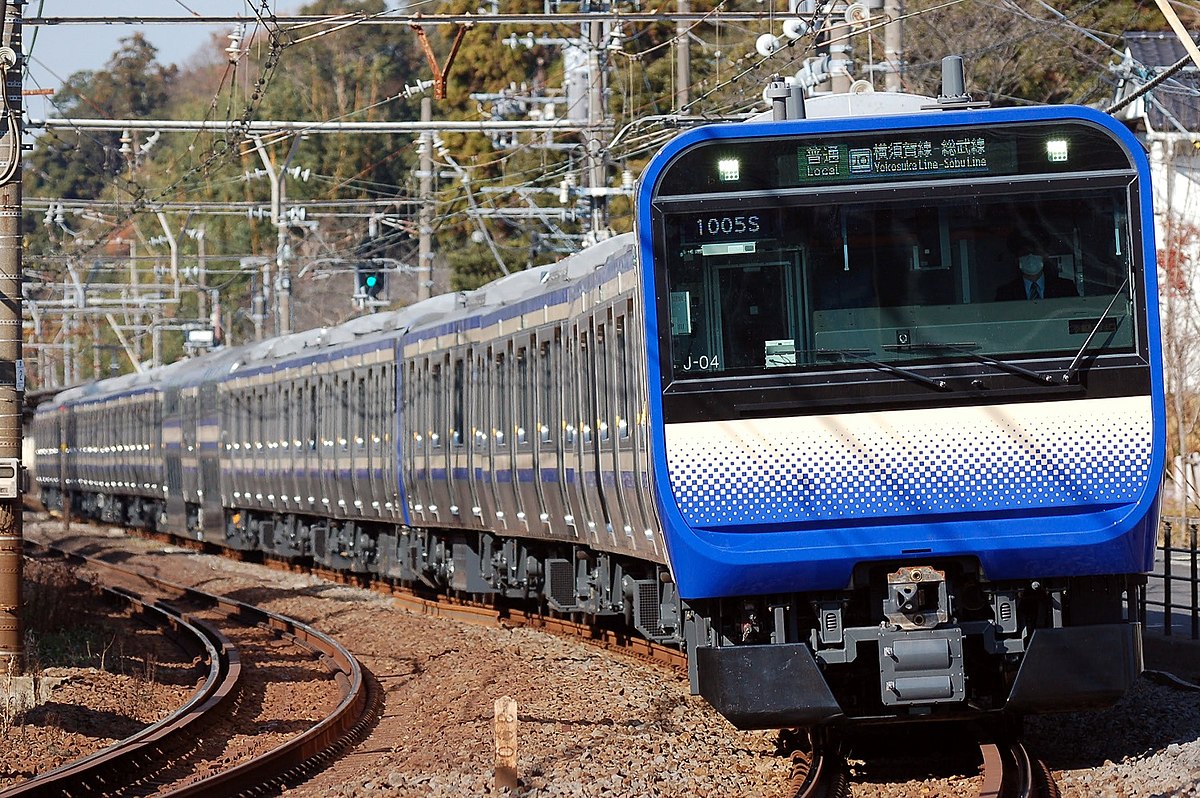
{"points": [[938, 385], [964, 349], [1073, 369]]}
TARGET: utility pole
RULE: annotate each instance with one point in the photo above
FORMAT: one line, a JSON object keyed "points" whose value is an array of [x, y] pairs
{"points": [[841, 52], [425, 214], [593, 146], [893, 44], [283, 276], [12, 367], [683, 58]]}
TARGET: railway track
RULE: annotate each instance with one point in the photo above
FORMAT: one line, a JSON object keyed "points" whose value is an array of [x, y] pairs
{"points": [[818, 771], [182, 754]]}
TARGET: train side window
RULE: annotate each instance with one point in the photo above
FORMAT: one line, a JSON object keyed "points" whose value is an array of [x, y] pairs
{"points": [[546, 383], [500, 402], [524, 397], [312, 416], [286, 419], [260, 418], [268, 417], [622, 367], [481, 413], [321, 412], [437, 422], [588, 396], [251, 418], [243, 401], [459, 390], [375, 403], [392, 406], [418, 391], [603, 400], [361, 410], [346, 403]]}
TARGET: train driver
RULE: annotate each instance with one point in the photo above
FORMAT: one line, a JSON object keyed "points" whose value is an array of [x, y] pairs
{"points": [[1034, 282]]}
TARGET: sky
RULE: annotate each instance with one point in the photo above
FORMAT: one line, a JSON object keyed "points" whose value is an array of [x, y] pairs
{"points": [[58, 51]]}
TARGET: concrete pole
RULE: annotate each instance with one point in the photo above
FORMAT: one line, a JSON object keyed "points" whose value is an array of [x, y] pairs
{"points": [[425, 215], [12, 371], [172, 248], [201, 276], [893, 44], [593, 146], [683, 58]]}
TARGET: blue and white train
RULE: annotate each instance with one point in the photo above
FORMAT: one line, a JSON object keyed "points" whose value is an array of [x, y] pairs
{"points": [[868, 416]]}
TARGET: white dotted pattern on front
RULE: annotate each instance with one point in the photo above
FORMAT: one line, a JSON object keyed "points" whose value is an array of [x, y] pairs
{"points": [[916, 462]]}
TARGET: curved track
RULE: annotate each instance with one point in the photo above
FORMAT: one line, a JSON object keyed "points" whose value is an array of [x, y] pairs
{"points": [[135, 766]]}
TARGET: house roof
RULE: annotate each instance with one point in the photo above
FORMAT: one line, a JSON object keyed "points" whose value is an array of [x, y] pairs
{"points": [[1173, 107]]}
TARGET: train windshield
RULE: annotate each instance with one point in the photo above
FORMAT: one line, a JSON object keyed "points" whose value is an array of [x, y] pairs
{"points": [[795, 287]]}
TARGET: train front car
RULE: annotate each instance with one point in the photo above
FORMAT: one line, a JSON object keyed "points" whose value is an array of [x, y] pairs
{"points": [[906, 410]]}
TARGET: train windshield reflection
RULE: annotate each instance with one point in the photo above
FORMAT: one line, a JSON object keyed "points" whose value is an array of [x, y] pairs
{"points": [[770, 289]]}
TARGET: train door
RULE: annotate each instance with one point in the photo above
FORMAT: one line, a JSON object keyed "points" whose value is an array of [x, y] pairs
{"points": [[227, 436], [483, 505], [504, 485], [258, 436], [279, 498], [626, 394], [412, 437], [303, 443], [270, 452], [593, 409], [374, 404], [289, 443], [555, 465], [574, 415], [610, 367], [346, 430], [175, 457], [185, 408], [439, 427], [457, 468], [209, 456], [393, 444], [533, 511], [323, 419], [358, 460]]}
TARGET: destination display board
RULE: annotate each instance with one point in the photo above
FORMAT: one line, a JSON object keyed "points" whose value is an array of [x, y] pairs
{"points": [[915, 156]]}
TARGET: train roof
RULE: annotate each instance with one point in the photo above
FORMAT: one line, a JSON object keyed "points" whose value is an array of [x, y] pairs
{"points": [[526, 285], [446, 309]]}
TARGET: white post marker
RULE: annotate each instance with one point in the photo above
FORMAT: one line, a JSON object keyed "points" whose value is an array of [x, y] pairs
{"points": [[506, 742]]}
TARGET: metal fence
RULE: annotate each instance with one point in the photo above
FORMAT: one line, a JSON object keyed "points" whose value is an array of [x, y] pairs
{"points": [[1171, 598]]}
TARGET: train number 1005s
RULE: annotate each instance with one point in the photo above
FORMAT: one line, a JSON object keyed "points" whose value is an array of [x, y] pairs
{"points": [[721, 226]]}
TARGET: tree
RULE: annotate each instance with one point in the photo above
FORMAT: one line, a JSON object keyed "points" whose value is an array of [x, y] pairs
{"points": [[132, 85], [1022, 51]]}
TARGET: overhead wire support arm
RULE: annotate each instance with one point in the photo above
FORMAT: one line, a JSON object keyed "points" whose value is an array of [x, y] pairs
{"points": [[439, 72]]}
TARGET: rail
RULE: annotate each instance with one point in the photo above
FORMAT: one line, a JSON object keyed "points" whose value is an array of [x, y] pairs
{"points": [[101, 772], [279, 768]]}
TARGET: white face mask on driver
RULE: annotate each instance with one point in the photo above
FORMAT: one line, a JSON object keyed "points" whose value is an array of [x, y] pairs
{"points": [[1030, 265]]}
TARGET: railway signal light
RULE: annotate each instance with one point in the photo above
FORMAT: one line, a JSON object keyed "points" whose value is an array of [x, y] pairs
{"points": [[371, 279], [369, 271]]}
